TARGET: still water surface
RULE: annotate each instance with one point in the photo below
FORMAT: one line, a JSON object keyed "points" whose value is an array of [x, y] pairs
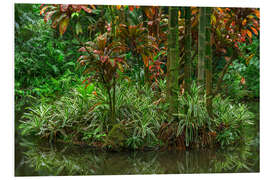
{"points": [[35, 158]]}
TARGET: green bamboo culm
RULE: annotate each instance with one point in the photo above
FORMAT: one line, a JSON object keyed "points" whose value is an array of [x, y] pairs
{"points": [[173, 61], [208, 62], [201, 47], [187, 67]]}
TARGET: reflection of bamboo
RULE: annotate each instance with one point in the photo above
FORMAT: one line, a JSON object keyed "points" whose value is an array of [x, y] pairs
{"points": [[102, 163]]}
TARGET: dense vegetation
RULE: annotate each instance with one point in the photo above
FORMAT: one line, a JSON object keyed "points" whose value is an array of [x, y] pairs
{"points": [[134, 77]]}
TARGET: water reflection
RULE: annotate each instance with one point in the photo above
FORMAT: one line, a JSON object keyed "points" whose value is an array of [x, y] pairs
{"points": [[45, 159], [35, 158]]}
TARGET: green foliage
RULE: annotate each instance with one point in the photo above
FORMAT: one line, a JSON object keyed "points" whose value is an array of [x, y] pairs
{"points": [[41, 56], [106, 110], [247, 69], [192, 115], [226, 128], [25, 16], [44, 64], [141, 114], [84, 113], [231, 121], [48, 159], [48, 120]]}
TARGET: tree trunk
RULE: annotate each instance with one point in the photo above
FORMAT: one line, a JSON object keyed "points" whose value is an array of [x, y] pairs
{"points": [[187, 68], [208, 56], [201, 46], [173, 61]]}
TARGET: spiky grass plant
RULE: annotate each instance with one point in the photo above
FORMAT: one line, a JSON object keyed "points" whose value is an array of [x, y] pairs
{"points": [[192, 115], [83, 115], [227, 127], [231, 121]]}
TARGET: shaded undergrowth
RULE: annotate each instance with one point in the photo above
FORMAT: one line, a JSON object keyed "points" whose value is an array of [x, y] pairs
{"points": [[82, 116]]}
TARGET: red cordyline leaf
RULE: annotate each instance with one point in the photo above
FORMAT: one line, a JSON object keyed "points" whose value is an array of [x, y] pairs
{"points": [[86, 9], [64, 7], [150, 23], [103, 58], [97, 52], [243, 39], [84, 81], [254, 31], [118, 7], [227, 58], [57, 19], [119, 59], [86, 85], [243, 81], [131, 8], [82, 57], [43, 10], [249, 33], [257, 13], [82, 49], [48, 16], [93, 6], [76, 7]]}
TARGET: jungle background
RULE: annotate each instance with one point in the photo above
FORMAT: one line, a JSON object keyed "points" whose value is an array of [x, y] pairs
{"points": [[121, 78]]}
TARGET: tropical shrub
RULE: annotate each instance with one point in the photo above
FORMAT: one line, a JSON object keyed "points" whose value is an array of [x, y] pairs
{"points": [[42, 60], [194, 127], [83, 115], [192, 116], [243, 77], [231, 121]]}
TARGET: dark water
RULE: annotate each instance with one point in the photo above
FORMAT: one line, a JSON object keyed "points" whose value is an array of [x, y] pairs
{"points": [[35, 158]]}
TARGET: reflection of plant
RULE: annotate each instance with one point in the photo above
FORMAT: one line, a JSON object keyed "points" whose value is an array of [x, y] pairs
{"points": [[236, 160], [64, 160]]}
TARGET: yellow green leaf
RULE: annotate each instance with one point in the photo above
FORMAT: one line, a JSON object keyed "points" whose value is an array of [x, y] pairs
{"points": [[249, 58], [213, 19], [63, 25], [118, 7], [78, 28], [244, 22]]}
